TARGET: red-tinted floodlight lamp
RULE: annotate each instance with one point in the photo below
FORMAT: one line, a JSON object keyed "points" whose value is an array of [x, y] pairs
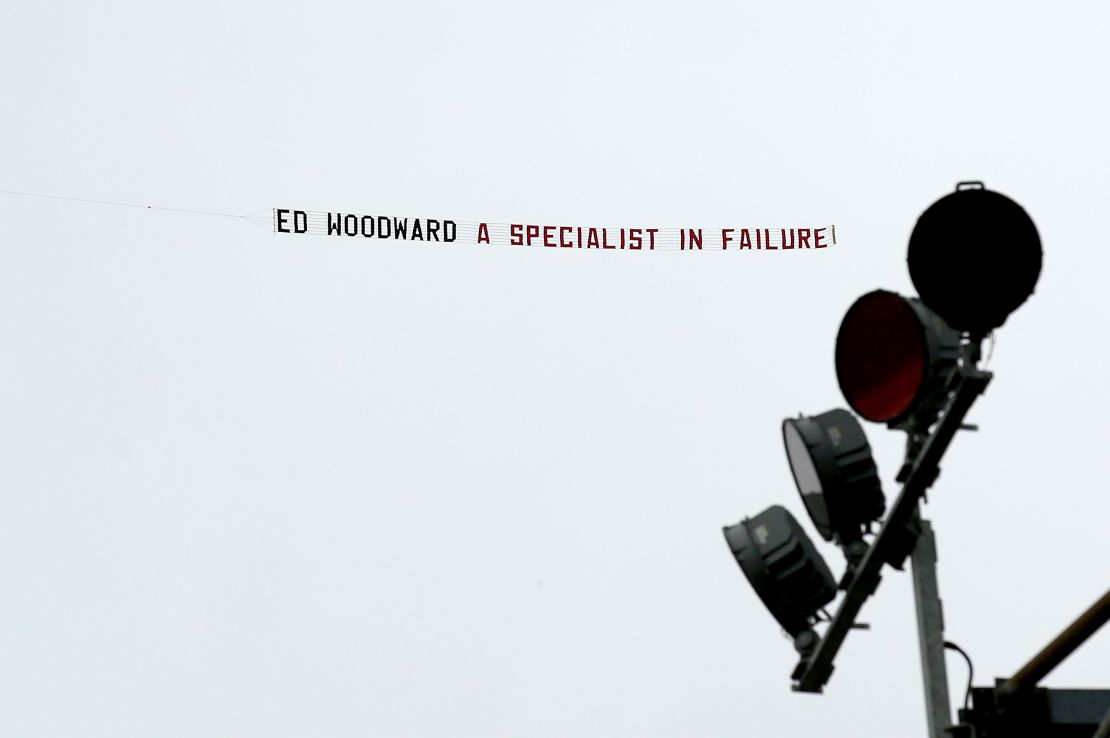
{"points": [[893, 354]]}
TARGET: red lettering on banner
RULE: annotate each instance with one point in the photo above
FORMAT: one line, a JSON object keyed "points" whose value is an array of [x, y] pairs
{"points": [[651, 238], [517, 238], [635, 240], [483, 233], [803, 238], [549, 236], [787, 245], [605, 239], [746, 238], [532, 231], [818, 234], [591, 239], [725, 237], [562, 239]]}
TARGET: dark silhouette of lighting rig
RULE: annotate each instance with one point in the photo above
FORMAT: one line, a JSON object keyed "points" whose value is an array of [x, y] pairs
{"points": [[911, 363]]}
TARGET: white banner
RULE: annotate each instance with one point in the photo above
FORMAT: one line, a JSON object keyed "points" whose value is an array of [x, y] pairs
{"points": [[626, 238]]}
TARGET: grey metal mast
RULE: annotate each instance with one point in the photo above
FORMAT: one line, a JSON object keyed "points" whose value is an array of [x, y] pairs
{"points": [[930, 630]]}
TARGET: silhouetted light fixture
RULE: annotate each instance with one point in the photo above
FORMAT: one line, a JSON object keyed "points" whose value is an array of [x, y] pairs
{"points": [[836, 475], [974, 258], [784, 568], [893, 359]]}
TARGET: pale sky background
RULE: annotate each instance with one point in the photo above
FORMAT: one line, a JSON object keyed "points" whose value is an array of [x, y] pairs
{"points": [[276, 486]]}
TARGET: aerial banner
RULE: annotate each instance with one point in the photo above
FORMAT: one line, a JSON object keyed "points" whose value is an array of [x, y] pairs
{"points": [[558, 236]]}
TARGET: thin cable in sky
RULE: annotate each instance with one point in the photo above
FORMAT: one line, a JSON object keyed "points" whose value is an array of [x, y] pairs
{"points": [[127, 204]]}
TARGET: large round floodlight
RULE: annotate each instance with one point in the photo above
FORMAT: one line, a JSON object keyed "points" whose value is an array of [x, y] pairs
{"points": [[835, 473], [893, 357], [974, 258], [783, 566]]}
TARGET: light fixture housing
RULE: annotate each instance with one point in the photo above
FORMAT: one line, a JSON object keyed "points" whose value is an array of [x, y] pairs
{"points": [[784, 568], [974, 257], [835, 474], [894, 357]]}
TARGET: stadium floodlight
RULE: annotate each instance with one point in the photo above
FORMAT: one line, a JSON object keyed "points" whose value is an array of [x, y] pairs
{"points": [[836, 476], [894, 357], [785, 569], [974, 258]]}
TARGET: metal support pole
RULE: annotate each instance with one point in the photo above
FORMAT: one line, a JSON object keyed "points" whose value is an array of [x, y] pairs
{"points": [[930, 630], [1103, 730], [1096, 616]]}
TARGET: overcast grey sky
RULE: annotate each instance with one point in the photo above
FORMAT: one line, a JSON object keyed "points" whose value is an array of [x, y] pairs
{"points": [[275, 486]]}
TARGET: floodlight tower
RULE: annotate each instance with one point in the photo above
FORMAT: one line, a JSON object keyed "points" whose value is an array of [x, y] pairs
{"points": [[910, 363]]}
